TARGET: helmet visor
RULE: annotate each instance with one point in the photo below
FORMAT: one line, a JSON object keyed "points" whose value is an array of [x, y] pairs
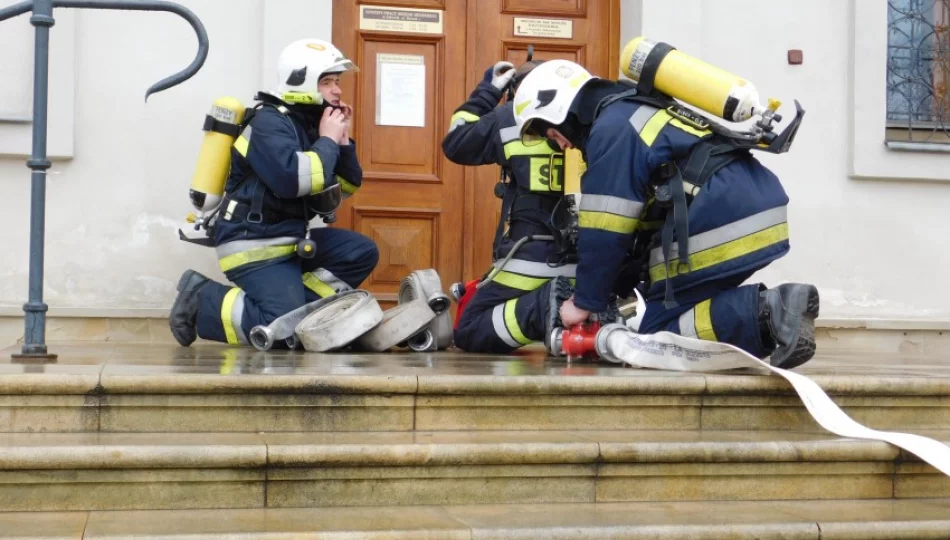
{"points": [[341, 66]]}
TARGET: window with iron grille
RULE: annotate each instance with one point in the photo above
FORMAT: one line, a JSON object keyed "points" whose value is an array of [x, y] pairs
{"points": [[918, 71]]}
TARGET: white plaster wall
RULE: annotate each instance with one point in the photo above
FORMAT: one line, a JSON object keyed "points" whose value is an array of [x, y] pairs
{"points": [[876, 247], [114, 208]]}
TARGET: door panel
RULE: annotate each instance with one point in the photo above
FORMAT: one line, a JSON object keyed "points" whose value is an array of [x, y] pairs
{"points": [[594, 44], [422, 210], [412, 197], [547, 8], [390, 152]]}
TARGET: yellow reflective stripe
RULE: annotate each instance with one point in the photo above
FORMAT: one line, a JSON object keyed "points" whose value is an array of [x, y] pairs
{"points": [[522, 283], [724, 252], [313, 283], [703, 322], [689, 129], [517, 281], [607, 222], [226, 306], [653, 126], [518, 148], [345, 186], [241, 144], [231, 262], [316, 173], [464, 116], [651, 225], [511, 322]]}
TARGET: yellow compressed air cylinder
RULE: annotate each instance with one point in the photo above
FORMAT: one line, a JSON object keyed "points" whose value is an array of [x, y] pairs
{"points": [[214, 158], [693, 81]]}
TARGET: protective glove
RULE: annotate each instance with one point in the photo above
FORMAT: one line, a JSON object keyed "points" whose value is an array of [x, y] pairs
{"points": [[500, 74]]}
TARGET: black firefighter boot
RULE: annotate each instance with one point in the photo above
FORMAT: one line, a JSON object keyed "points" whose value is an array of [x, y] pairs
{"points": [[183, 318], [787, 316]]}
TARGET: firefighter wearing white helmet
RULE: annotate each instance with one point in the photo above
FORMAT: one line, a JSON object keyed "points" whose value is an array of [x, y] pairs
{"points": [[301, 66], [293, 161], [657, 173]]}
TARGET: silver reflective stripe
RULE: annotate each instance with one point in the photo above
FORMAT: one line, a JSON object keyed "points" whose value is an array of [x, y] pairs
{"points": [[237, 317], [501, 329], [332, 281], [247, 133], [537, 269], [240, 246], [509, 134], [612, 205], [642, 115], [458, 122], [688, 324], [727, 233], [304, 175]]}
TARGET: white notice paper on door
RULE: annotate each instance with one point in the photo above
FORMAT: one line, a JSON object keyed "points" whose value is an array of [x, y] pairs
{"points": [[400, 90]]}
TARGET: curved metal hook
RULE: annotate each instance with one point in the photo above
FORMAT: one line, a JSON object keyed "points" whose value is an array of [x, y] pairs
{"points": [[14, 10], [154, 5]]}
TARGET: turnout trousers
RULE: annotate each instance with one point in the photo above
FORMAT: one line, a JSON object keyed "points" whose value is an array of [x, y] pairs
{"points": [[227, 313], [720, 310], [500, 319]]}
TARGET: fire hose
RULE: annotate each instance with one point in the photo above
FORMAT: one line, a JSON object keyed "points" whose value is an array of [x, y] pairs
{"points": [[427, 285], [668, 351], [400, 324], [343, 319], [282, 328]]}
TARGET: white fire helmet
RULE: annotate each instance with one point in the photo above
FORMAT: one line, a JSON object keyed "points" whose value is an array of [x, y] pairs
{"points": [[547, 94], [300, 66]]}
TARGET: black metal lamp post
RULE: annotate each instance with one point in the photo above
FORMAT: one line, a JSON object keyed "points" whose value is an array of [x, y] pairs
{"points": [[34, 344]]}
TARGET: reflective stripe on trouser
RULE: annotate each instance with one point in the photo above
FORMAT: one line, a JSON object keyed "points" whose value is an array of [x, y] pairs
{"points": [[720, 311], [238, 253], [528, 276], [323, 283], [221, 314], [501, 319]]}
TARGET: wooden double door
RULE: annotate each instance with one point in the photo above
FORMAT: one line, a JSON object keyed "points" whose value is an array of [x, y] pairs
{"points": [[419, 60]]}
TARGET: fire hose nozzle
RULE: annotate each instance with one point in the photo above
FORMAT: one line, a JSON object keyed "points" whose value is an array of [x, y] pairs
{"points": [[262, 338]]}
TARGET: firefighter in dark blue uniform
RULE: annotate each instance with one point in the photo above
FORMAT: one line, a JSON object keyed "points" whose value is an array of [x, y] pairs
{"points": [[505, 311], [293, 159], [736, 224]]}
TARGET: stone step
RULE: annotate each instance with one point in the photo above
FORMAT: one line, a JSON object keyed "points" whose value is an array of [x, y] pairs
{"points": [[64, 472], [436, 393], [773, 520]]}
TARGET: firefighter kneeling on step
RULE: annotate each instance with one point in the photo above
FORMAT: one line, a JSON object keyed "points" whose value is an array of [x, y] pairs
{"points": [[736, 219], [508, 310], [294, 152]]}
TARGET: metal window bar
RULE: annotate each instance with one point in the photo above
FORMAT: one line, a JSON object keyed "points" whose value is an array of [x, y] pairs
{"points": [[918, 71], [34, 340]]}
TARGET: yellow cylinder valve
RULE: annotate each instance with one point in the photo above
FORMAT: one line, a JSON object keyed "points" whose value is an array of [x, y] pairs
{"points": [[214, 159], [691, 80]]}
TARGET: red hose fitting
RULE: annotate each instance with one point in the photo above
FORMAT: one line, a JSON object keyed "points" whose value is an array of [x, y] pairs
{"points": [[580, 340]]}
